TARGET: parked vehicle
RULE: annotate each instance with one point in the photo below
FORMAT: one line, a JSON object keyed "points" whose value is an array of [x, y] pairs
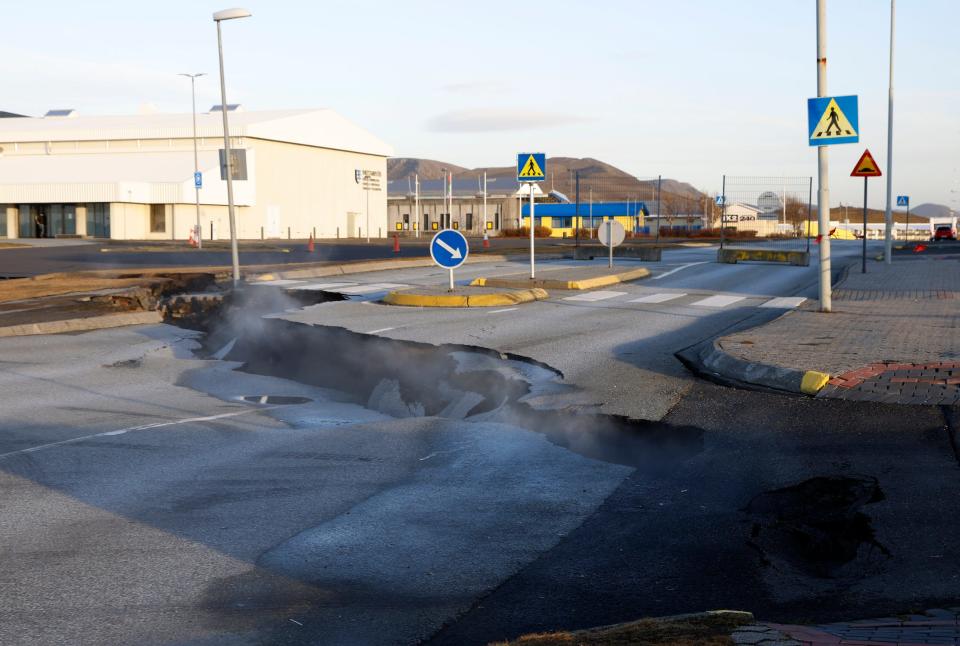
{"points": [[944, 233]]}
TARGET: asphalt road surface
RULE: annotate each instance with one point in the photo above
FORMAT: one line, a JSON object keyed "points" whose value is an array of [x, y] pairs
{"points": [[378, 487]]}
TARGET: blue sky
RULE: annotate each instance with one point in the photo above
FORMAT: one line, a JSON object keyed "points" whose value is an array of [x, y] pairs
{"points": [[690, 89]]}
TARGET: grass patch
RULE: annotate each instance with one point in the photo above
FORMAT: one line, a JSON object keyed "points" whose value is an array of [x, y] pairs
{"points": [[705, 629]]}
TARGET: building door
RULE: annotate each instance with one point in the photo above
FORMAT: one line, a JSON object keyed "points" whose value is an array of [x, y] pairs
{"points": [[426, 221], [40, 222], [273, 221], [469, 226]]}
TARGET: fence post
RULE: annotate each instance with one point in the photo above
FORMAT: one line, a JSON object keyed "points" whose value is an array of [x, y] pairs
{"points": [[261, 233], [288, 233]]}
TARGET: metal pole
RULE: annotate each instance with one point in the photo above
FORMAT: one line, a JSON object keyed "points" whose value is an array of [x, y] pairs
{"points": [[576, 217], [863, 269], [196, 163], [416, 203], [591, 213], [823, 177], [723, 211], [532, 267], [367, 191], [658, 209], [888, 242], [809, 211], [234, 252], [484, 203], [906, 235], [610, 241], [451, 280]]}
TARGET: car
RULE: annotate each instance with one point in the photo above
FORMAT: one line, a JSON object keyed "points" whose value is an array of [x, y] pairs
{"points": [[944, 233]]}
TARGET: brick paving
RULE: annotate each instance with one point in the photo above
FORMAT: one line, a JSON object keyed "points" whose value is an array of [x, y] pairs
{"points": [[894, 335], [934, 627]]}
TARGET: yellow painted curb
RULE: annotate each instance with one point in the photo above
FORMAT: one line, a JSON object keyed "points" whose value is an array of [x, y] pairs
{"points": [[813, 382], [499, 299], [548, 283]]}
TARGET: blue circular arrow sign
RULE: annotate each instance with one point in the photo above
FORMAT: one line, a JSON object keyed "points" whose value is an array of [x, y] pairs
{"points": [[449, 248]]}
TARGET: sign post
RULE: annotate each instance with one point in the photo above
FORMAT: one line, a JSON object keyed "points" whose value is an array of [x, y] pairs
{"points": [[904, 200], [449, 249], [866, 168], [531, 167], [611, 235]]}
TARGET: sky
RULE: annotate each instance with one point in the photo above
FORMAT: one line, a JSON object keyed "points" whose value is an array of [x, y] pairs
{"points": [[687, 89]]}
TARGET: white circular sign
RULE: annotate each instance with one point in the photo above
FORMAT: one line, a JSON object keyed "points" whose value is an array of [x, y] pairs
{"points": [[609, 232]]}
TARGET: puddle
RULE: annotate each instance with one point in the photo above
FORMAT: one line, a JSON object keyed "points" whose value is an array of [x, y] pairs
{"points": [[818, 526]]}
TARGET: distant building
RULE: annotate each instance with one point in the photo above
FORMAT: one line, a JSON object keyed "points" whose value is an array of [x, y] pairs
{"points": [[465, 212], [296, 172]]}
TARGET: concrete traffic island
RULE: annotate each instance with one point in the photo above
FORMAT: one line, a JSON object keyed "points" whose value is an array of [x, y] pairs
{"points": [[463, 297], [573, 278]]}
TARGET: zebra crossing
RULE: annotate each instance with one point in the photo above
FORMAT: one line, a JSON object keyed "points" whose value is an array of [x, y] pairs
{"points": [[345, 288], [708, 302]]}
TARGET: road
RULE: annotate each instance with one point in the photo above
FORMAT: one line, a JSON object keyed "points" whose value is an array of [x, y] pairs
{"points": [[421, 492]]}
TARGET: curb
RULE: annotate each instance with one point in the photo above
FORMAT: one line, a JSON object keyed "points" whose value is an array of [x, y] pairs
{"points": [[547, 283], [708, 360], [379, 265], [500, 299], [84, 324]]}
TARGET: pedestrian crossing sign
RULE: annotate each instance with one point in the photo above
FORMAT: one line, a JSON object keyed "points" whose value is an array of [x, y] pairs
{"points": [[833, 120], [531, 167]]}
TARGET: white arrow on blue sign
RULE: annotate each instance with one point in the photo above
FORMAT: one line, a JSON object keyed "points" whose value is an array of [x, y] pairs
{"points": [[198, 179], [449, 248], [903, 200]]}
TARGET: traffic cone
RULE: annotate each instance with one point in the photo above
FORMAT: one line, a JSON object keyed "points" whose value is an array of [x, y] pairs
{"points": [[310, 244], [486, 241], [396, 243]]}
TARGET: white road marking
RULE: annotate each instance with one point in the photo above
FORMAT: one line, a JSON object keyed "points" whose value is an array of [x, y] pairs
{"points": [[657, 298], [680, 268], [144, 427], [323, 286], [383, 329], [508, 309], [594, 296], [279, 281], [718, 301], [368, 289], [785, 302]]}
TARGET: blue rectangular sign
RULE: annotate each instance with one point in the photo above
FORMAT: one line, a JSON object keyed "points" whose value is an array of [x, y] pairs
{"points": [[531, 167], [833, 120], [903, 200], [198, 179]]}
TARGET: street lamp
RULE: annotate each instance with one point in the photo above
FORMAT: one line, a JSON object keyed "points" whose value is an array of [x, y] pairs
{"points": [[196, 164], [218, 17]]}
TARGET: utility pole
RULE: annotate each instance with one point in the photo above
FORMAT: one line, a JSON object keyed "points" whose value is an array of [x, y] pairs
{"points": [[888, 242], [416, 203], [823, 177], [196, 163]]}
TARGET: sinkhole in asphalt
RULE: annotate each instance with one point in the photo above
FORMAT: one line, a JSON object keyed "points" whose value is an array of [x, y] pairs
{"points": [[408, 379], [818, 526]]}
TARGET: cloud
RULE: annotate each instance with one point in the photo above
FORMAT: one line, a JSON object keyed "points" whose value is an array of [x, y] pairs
{"points": [[476, 87], [495, 119]]}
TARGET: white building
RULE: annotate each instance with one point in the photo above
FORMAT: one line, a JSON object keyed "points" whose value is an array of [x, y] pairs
{"points": [[132, 177]]}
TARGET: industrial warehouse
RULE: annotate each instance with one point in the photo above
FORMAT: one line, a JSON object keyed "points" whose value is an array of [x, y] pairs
{"points": [[296, 173]]}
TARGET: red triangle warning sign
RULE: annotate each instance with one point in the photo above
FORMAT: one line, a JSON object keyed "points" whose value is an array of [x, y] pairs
{"points": [[866, 167]]}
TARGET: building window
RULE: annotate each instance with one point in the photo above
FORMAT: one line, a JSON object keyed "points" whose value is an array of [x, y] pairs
{"points": [[158, 218]]}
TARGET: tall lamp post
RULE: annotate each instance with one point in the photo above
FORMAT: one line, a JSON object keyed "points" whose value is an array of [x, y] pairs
{"points": [[218, 17], [196, 163]]}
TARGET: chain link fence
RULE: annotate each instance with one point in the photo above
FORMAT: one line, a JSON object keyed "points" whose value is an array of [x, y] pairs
{"points": [[766, 212]]}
